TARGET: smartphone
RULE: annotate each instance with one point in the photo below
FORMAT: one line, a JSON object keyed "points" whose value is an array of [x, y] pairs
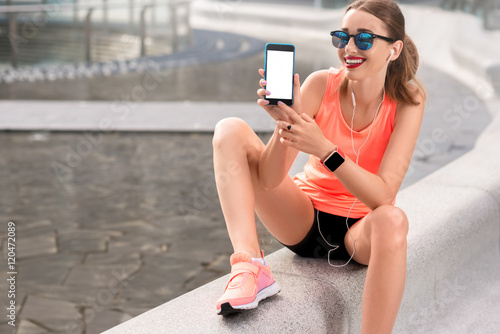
{"points": [[279, 71]]}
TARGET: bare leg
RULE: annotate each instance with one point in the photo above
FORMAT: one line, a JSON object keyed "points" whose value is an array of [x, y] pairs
{"points": [[381, 244], [237, 151]]}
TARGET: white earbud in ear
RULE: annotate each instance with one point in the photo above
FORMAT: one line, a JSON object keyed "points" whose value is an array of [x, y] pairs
{"points": [[392, 54]]}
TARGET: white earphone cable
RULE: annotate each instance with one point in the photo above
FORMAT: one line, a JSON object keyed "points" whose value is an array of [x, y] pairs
{"points": [[358, 153]]}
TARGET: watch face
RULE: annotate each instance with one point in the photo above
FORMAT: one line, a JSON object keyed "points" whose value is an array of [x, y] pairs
{"points": [[334, 161]]}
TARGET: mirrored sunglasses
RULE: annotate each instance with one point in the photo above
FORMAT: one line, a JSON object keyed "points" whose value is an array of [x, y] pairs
{"points": [[363, 40]]}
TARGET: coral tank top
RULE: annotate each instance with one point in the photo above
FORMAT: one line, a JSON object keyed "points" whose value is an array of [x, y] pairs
{"points": [[323, 188]]}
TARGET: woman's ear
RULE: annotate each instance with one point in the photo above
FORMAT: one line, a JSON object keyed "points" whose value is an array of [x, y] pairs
{"points": [[397, 47]]}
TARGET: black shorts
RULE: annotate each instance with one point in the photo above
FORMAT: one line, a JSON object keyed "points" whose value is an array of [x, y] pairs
{"points": [[333, 229]]}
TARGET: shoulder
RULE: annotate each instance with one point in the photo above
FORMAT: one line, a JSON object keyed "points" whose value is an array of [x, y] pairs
{"points": [[409, 112], [312, 91], [317, 79], [416, 92], [316, 83]]}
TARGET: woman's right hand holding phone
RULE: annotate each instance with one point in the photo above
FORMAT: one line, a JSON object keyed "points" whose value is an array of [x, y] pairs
{"points": [[275, 111]]}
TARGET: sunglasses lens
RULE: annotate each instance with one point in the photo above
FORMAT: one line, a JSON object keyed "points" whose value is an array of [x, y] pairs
{"points": [[364, 41], [339, 39]]}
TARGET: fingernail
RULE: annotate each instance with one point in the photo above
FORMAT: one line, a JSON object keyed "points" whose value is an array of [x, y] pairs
{"points": [[280, 103], [264, 82], [266, 102], [268, 92]]}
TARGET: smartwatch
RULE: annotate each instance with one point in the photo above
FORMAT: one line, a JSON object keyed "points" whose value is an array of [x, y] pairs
{"points": [[334, 160]]}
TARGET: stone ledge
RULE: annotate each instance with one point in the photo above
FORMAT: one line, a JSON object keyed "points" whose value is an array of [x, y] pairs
{"points": [[101, 116]]}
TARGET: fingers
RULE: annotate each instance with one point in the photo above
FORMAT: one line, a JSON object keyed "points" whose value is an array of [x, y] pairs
{"points": [[290, 112], [296, 86], [262, 83], [262, 72], [289, 142], [287, 126], [285, 135], [285, 142], [296, 80], [262, 102], [262, 91], [306, 117], [284, 125]]}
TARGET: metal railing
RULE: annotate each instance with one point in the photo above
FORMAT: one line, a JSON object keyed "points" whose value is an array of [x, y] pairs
{"points": [[42, 11]]}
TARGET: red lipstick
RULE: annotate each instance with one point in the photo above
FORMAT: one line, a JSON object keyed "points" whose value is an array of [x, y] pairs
{"points": [[353, 62]]}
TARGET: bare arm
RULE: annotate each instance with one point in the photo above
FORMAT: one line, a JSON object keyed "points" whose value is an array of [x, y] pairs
{"points": [[276, 159], [372, 189], [275, 162], [376, 190]]}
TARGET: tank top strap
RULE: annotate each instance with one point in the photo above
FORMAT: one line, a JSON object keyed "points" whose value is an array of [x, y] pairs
{"points": [[335, 77], [330, 101]]}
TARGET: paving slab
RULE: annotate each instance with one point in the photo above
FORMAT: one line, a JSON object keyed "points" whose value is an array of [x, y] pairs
{"points": [[82, 241], [36, 245], [7, 329], [124, 256], [101, 275], [160, 278], [98, 322], [47, 269], [53, 314], [28, 327], [83, 296]]}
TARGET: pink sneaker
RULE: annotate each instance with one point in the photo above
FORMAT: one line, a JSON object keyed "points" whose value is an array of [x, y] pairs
{"points": [[250, 282]]}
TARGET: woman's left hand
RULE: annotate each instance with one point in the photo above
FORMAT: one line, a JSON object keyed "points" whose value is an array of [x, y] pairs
{"points": [[303, 134]]}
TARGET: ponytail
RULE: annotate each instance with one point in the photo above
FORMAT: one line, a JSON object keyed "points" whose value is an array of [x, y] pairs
{"points": [[403, 71]]}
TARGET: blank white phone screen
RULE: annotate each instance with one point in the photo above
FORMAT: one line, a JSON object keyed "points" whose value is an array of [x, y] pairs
{"points": [[279, 74]]}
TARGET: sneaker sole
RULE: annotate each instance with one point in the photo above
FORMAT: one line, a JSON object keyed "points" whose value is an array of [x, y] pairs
{"points": [[269, 291]]}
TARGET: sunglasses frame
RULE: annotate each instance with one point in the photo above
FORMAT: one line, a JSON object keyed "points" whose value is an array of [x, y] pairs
{"points": [[356, 38]]}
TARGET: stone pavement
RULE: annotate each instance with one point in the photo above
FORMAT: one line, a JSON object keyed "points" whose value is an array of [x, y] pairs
{"points": [[135, 221]]}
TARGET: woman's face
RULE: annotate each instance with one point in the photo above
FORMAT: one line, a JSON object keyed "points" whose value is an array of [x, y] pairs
{"points": [[361, 64]]}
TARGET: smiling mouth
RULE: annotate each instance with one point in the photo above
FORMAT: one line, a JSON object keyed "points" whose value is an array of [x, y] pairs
{"points": [[354, 61]]}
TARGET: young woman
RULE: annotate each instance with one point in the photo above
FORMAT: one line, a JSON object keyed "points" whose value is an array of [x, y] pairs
{"points": [[360, 125]]}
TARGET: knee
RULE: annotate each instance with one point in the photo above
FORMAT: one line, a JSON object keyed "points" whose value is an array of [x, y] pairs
{"points": [[390, 227], [228, 131], [234, 137]]}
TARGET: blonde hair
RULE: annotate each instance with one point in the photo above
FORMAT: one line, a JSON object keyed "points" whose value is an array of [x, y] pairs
{"points": [[402, 70]]}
